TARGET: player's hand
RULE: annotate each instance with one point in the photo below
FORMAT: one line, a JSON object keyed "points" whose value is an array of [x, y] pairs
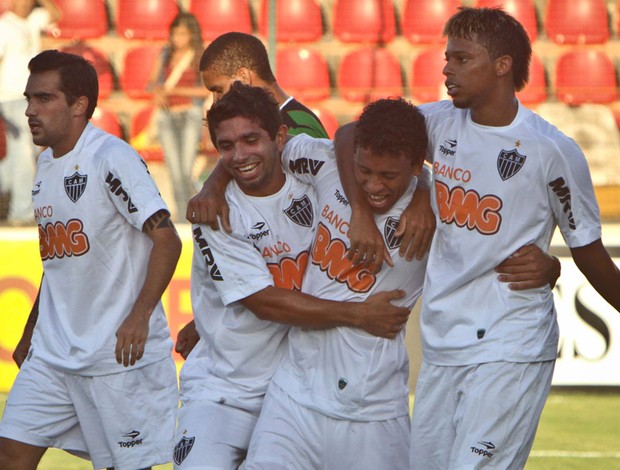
{"points": [[187, 338], [529, 267], [21, 350], [380, 317], [209, 207], [367, 248], [131, 338], [417, 226]]}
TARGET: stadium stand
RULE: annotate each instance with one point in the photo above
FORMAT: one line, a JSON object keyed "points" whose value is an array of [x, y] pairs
{"points": [[145, 19], [585, 76], [369, 73], [422, 21], [107, 120], [577, 21], [137, 65], [303, 73], [328, 119], [426, 80], [535, 91], [101, 63], [296, 20], [143, 136], [364, 21], [81, 19], [217, 17]]}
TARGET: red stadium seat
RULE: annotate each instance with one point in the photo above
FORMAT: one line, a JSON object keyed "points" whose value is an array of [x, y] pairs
{"points": [[364, 21], [369, 73], [426, 79], [535, 91], [577, 21], [585, 76], [140, 122], [303, 73], [108, 121], [101, 63], [81, 19], [217, 17], [145, 19], [522, 10], [329, 121], [137, 65], [423, 20], [296, 20]]}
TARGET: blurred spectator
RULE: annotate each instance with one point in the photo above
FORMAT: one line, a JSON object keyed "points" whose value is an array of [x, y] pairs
{"points": [[179, 96], [20, 40]]}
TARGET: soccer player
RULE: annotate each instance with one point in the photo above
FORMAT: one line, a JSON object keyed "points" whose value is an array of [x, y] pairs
{"points": [[245, 286], [504, 177], [241, 57], [98, 379], [339, 398]]}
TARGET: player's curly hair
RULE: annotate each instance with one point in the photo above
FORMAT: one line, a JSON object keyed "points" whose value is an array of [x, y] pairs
{"points": [[78, 76], [499, 33], [242, 100], [392, 126], [232, 51]]}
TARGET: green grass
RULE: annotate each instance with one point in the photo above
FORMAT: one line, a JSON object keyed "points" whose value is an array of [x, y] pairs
{"points": [[579, 430]]}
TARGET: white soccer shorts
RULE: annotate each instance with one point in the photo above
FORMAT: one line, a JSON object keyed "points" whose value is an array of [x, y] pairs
{"points": [[123, 420], [211, 435], [478, 416], [290, 436]]}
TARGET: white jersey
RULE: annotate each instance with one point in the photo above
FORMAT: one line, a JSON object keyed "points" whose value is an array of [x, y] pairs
{"points": [[497, 189], [345, 372], [238, 352], [90, 205]]}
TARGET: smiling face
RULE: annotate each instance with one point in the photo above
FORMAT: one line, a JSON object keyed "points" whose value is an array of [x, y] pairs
{"points": [[250, 156], [51, 119], [383, 178]]}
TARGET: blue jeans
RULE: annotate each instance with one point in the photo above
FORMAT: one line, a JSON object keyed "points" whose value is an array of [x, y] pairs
{"points": [[17, 169], [179, 133]]}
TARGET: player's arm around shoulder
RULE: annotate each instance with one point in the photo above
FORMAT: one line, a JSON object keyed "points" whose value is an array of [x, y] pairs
{"points": [[165, 252]]}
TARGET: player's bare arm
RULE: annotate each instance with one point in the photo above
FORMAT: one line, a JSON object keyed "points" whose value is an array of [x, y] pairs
{"points": [[528, 268], [376, 315], [21, 350], [594, 262], [209, 204], [132, 334]]}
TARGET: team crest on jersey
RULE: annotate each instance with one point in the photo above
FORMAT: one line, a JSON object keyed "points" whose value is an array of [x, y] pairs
{"points": [[389, 231], [182, 449], [300, 211], [75, 185], [509, 162]]}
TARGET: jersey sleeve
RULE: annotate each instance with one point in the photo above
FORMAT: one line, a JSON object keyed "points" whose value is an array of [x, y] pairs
{"points": [[231, 260], [131, 188], [308, 159], [571, 195]]}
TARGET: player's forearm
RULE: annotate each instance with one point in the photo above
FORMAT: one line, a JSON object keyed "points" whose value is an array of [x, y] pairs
{"points": [[302, 310], [600, 270], [162, 262]]}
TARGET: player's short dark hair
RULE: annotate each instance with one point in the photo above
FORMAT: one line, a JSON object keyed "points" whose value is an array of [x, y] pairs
{"points": [[78, 76], [499, 33], [242, 100], [392, 126], [231, 51]]}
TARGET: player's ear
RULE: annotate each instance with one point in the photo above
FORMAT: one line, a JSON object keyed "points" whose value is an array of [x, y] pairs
{"points": [[244, 74], [281, 136], [80, 106], [503, 65]]}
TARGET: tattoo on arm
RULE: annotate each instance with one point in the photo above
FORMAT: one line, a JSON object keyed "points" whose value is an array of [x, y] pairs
{"points": [[160, 219]]}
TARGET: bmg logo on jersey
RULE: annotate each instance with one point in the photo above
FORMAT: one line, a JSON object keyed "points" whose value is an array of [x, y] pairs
{"points": [[57, 240]]}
